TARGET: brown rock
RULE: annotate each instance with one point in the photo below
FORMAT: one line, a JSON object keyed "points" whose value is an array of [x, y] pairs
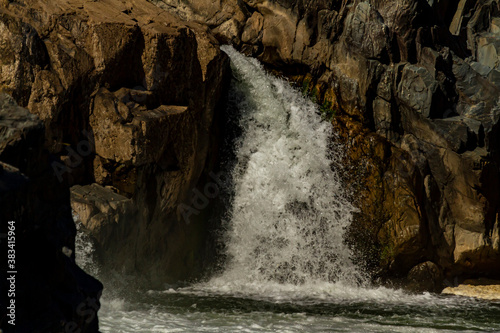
{"points": [[426, 276], [253, 28], [417, 89], [480, 288], [128, 94], [278, 32], [393, 68]]}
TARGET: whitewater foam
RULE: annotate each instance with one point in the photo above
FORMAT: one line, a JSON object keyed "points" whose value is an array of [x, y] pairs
{"points": [[289, 211]]}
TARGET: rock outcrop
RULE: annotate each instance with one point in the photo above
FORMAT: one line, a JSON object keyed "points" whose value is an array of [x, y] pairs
{"points": [[413, 89], [128, 95], [479, 288], [51, 293]]}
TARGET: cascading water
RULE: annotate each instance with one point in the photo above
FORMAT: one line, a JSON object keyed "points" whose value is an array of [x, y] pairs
{"points": [[289, 211], [288, 268]]}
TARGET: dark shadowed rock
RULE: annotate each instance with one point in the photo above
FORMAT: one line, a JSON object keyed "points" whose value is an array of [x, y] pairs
{"points": [[426, 276], [50, 287]]}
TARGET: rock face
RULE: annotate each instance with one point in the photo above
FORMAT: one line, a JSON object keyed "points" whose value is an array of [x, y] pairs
{"points": [[413, 87], [480, 288], [128, 95], [52, 293]]}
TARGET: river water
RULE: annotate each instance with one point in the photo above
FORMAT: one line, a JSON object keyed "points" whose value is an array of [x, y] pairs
{"points": [[287, 268]]}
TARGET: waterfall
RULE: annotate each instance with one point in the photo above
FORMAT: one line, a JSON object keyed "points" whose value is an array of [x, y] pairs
{"points": [[289, 211], [288, 268]]}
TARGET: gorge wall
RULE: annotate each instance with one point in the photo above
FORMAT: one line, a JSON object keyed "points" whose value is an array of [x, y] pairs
{"points": [[126, 96], [412, 87], [122, 100]]}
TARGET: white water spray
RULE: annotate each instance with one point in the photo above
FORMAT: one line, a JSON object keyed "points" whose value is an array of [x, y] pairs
{"points": [[290, 211]]}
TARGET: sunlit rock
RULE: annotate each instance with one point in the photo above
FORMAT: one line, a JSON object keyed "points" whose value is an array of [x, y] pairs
{"points": [[480, 288]]}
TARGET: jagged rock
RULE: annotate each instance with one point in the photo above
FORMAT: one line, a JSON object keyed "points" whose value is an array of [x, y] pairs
{"points": [[32, 197], [97, 206], [107, 216], [456, 25], [278, 32], [365, 32], [382, 116], [488, 49], [22, 53], [128, 94], [417, 89], [19, 132], [229, 31], [130, 133], [213, 13], [253, 28], [424, 77]]}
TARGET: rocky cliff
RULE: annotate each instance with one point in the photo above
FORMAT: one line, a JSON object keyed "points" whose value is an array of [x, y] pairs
{"points": [[127, 95], [412, 87], [123, 99]]}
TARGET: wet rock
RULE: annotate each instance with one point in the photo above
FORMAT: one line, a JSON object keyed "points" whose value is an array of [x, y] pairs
{"points": [[426, 276], [480, 288], [107, 216], [402, 234]]}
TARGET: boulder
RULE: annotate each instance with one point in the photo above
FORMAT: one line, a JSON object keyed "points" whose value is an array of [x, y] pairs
{"points": [[426, 276]]}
